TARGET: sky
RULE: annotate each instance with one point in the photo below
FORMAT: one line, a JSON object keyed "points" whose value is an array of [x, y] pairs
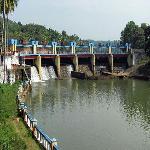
{"points": [[89, 19]]}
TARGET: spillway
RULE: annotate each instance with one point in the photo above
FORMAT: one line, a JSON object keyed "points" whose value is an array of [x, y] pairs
{"points": [[34, 74]]}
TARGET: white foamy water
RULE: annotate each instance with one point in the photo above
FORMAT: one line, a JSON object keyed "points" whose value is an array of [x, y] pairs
{"points": [[11, 77], [48, 73], [69, 69], [52, 73], [45, 74], [14, 60], [34, 74], [1, 74]]}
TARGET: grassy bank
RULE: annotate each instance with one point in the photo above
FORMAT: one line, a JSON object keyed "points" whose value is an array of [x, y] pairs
{"points": [[13, 133]]}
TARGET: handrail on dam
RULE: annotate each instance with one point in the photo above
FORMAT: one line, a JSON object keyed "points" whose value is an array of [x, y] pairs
{"points": [[73, 48], [43, 139], [76, 50]]}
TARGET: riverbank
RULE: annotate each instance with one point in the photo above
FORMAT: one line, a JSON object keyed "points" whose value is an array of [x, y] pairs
{"points": [[14, 134], [141, 70]]}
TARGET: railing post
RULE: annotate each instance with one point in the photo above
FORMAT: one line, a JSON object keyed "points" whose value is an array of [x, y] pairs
{"points": [[127, 47], [109, 50], [91, 46], [54, 142], [15, 45], [25, 112], [72, 50], [34, 47], [11, 43], [73, 47], [34, 124], [54, 45]]}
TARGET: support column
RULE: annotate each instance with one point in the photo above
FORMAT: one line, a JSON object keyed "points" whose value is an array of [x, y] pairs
{"points": [[131, 60], [93, 64], [127, 47], [34, 49], [57, 63], [73, 47], [38, 65], [109, 50], [91, 46], [75, 62], [12, 48], [54, 44], [55, 49], [15, 47], [111, 64]]}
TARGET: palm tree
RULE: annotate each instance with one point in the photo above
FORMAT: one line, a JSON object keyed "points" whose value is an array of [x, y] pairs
{"points": [[11, 4], [6, 6]]}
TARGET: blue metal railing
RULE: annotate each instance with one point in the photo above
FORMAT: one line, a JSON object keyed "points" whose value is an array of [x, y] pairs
{"points": [[43, 139], [101, 50], [48, 49]]}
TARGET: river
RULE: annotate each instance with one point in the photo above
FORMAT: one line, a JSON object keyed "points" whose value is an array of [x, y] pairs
{"points": [[94, 115]]}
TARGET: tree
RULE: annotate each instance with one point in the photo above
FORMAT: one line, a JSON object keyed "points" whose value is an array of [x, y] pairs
{"points": [[134, 35], [146, 28], [6, 6], [39, 32]]}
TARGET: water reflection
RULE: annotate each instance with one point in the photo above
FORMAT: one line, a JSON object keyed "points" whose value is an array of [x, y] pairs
{"points": [[116, 111], [136, 104]]}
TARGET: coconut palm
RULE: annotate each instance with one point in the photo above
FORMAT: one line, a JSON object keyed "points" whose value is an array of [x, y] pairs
{"points": [[6, 7], [10, 6]]}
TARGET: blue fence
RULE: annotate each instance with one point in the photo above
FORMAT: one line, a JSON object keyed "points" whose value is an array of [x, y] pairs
{"points": [[42, 138]]}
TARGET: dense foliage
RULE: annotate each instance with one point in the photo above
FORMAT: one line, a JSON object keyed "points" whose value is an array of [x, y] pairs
{"points": [[9, 139], [38, 32], [138, 36], [133, 34]]}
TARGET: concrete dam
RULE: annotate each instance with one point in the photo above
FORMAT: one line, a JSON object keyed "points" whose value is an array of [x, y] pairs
{"points": [[43, 62]]}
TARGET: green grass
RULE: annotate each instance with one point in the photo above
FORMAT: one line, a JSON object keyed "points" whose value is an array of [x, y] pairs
{"points": [[13, 134]]}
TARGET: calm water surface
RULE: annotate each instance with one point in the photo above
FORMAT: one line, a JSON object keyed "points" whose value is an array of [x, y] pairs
{"points": [[94, 115]]}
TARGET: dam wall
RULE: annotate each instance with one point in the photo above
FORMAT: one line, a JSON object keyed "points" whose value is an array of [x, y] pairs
{"points": [[55, 61]]}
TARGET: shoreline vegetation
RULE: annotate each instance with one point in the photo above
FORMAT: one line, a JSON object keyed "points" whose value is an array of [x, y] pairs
{"points": [[14, 134]]}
